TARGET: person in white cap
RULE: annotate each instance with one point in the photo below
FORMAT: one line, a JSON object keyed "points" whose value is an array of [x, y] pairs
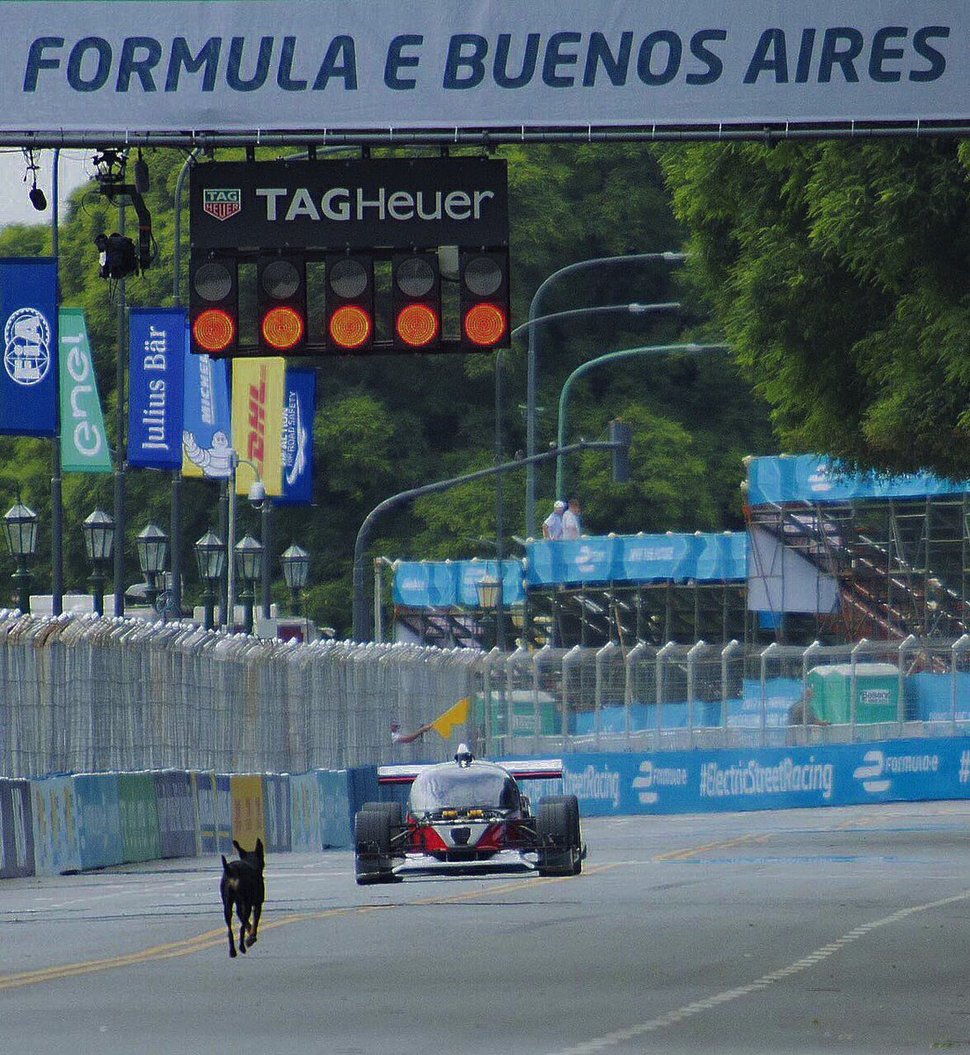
{"points": [[552, 525]]}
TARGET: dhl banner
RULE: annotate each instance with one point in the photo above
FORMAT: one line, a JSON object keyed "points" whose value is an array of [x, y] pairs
{"points": [[258, 387]]}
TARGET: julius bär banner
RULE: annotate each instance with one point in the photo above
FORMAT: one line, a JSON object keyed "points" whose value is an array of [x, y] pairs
{"points": [[156, 378], [393, 64]]}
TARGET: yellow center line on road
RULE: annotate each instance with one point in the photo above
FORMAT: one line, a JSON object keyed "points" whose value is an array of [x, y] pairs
{"points": [[212, 938], [693, 851]]}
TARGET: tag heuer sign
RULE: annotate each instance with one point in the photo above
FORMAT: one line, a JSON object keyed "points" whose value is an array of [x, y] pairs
{"points": [[367, 203], [222, 203]]}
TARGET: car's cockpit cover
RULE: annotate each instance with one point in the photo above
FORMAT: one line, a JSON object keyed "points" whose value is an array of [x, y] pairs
{"points": [[464, 787]]}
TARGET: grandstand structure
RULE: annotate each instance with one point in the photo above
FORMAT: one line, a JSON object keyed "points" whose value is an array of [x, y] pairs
{"points": [[839, 556], [828, 555]]}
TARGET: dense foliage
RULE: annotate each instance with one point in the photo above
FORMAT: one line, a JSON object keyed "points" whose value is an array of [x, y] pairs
{"points": [[839, 272], [386, 424]]}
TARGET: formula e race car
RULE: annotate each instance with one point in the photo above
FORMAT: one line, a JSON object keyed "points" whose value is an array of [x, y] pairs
{"points": [[467, 816]]}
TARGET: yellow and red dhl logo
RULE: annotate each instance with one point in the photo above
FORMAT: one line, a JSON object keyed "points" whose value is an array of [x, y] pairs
{"points": [[256, 439]]}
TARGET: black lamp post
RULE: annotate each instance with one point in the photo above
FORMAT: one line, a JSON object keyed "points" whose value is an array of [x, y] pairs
{"points": [[249, 566], [98, 543], [152, 546], [296, 570], [210, 555], [488, 598], [20, 528]]}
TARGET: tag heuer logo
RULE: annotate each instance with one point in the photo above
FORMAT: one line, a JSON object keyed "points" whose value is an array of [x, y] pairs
{"points": [[223, 203]]}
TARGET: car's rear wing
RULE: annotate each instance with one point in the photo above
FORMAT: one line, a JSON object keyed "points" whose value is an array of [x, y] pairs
{"points": [[529, 769]]}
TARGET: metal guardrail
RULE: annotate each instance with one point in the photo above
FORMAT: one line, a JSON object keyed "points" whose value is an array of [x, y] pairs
{"points": [[88, 694]]}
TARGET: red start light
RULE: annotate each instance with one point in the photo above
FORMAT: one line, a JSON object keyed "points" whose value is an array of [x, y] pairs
{"points": [[485, 324], [350, 326], [417, 325], [214, 330], [282, 328]]}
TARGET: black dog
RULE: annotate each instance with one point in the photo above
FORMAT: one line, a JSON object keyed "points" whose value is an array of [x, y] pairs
{"points": [[242, 886]]}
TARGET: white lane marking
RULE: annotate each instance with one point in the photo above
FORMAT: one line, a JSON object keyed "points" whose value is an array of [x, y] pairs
{"points": [[619, 1036]]}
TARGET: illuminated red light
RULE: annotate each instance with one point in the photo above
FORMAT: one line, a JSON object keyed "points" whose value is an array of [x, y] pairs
{"points": [[485, 324], [417, 325], [214, 330], [350, 326], [283, 328]]}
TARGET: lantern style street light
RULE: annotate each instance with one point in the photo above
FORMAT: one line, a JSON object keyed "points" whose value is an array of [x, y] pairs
{"points": [[152, 546], [20, 529], [249, 566], [210, 555], [98, 543], [488, 587], [296, 570]]}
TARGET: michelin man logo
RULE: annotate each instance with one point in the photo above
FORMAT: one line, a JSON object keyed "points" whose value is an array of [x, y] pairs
{"points": [[214, 461], [27, 347], [871, 775]]}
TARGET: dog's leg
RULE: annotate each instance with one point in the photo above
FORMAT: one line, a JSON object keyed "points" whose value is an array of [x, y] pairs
{"points": [[227, 911], [243, 913], [254, 925]]}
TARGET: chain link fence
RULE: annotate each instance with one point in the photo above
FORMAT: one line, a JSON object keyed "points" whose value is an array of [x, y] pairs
{"points": [[88, 694]]}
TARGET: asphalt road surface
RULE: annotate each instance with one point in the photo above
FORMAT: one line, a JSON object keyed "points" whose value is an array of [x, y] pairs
{"points": [[840, 930]]}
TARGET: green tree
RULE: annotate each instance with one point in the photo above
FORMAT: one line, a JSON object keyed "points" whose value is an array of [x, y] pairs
{"points": [[838, 271]]}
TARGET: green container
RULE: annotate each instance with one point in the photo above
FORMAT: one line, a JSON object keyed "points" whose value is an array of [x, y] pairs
{"points": [[522, 703], [876, 693]]}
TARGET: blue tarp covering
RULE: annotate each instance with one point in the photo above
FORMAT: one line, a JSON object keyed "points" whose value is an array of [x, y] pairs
{"points": [[816, 478], [448, 584], [639, 558]]}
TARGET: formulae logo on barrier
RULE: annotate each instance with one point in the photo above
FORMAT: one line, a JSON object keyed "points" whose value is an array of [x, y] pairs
{"points": [[879, 768], [652, 776]]}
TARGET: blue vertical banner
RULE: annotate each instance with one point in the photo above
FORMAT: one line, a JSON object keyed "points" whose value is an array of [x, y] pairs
{"points": [[207, 426], [28, 315], [298, 412], [155, 390]]}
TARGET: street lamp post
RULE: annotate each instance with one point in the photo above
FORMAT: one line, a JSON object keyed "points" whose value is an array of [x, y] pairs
{"points": [[296, 570], [20, 529], [249, 563], [489, 589], [534, 316], [152, 545], [98, 544], [610, 357], [210, 555], [257, 495]]}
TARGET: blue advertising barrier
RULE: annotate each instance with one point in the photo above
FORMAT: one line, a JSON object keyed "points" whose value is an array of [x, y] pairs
{"points": [[336, 817], [702, 781], [305, 834], [55, 826], [213, 799], [99, 820], [176, 813], [276, 811], [16, 830]]}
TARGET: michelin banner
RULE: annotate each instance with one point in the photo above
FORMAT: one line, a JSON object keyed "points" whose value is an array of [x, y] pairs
{"points": [[207, 431], [149, 65], [769, 778]]}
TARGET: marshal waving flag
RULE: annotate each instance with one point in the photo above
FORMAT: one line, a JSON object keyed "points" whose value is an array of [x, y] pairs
{"points": [[257, 422]]}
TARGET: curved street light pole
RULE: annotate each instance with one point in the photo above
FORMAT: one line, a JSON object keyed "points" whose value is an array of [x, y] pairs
{"points": [[534, 316], [610, 357]]}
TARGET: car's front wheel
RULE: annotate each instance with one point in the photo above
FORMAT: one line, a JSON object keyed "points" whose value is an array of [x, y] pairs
{"points": [[372, 847], [558, 836]]}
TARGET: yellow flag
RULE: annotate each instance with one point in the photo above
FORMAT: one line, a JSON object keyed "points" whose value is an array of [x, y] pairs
{"points": [[457, 715], [258, 387]]}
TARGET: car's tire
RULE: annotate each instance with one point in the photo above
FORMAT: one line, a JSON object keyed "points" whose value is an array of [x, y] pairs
{"points": [[572, 807], [554, 830], [372, 846], [393, 809]]}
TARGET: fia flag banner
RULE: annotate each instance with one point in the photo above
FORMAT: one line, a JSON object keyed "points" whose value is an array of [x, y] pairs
{"points": [[84, 444], [298, 413], [28, 317]]}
